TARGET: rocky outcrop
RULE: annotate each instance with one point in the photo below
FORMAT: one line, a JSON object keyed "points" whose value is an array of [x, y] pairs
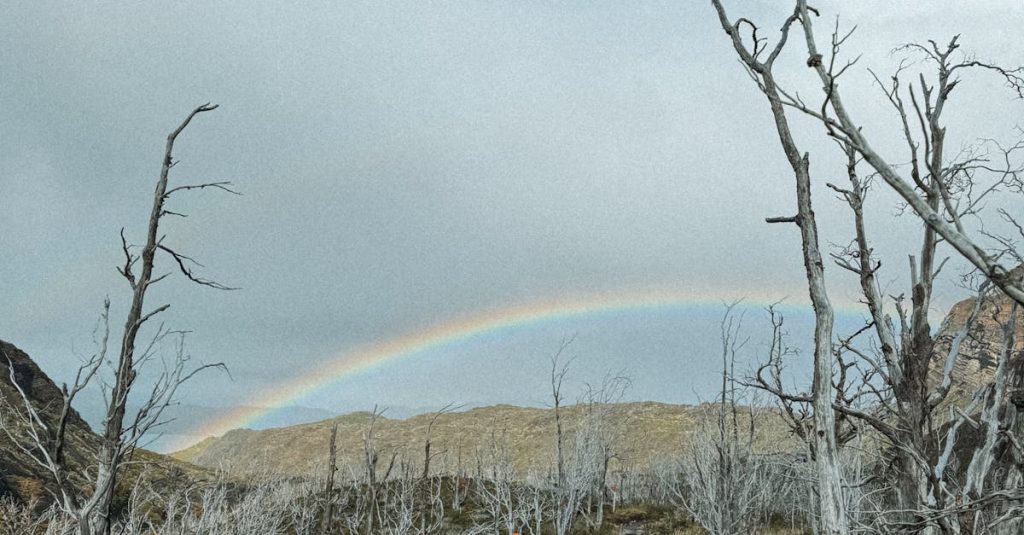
{"points": [[20, 476], [980, 349]]}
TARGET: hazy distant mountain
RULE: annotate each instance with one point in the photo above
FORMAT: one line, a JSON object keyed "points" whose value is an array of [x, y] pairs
{"points": [[186, 419]]}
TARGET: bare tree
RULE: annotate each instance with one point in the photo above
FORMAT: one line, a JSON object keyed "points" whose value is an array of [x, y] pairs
{"points": [[115, 446], [720, 481], [332, 469], [499, 491], [458, 481], [375, 479], [370, 460], [121, 433], [935, 180], [431, 505], [45, 438], [929, 192], [567, 491], [539, 501], [889, 382], [832, 511], [603, 435]]}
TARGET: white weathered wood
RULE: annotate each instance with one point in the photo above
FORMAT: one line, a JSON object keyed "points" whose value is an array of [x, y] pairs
{"points": [[832, 517]]}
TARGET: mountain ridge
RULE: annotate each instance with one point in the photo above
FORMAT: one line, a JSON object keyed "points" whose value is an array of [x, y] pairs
{"points": [[642, 433]]}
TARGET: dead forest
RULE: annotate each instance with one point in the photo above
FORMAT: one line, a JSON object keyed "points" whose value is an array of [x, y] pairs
{"points": [[911, 423]]}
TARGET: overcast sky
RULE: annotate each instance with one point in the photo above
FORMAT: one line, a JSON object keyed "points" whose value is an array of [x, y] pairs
{"points": [[406, 164]]}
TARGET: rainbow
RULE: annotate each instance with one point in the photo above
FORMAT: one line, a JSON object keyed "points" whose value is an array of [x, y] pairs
{"points": [[350, 363]]}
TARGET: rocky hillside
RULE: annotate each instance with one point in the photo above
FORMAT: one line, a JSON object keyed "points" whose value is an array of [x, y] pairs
{"points": [[643, 432], [18, 474], [25, 480], [980, 350]]}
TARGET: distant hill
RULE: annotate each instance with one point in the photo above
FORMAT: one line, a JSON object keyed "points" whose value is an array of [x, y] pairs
{"points": [[185, 418], [22, 478], [644, 432]]}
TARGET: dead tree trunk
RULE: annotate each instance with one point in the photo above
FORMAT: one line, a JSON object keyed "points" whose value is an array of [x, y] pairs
{"points": [[832, 507], [566, 497], [113, 448], [370, 459], [426, 482], [332, 468]]}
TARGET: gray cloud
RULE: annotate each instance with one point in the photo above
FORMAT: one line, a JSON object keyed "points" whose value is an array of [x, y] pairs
{"points": [[411, 163]]}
